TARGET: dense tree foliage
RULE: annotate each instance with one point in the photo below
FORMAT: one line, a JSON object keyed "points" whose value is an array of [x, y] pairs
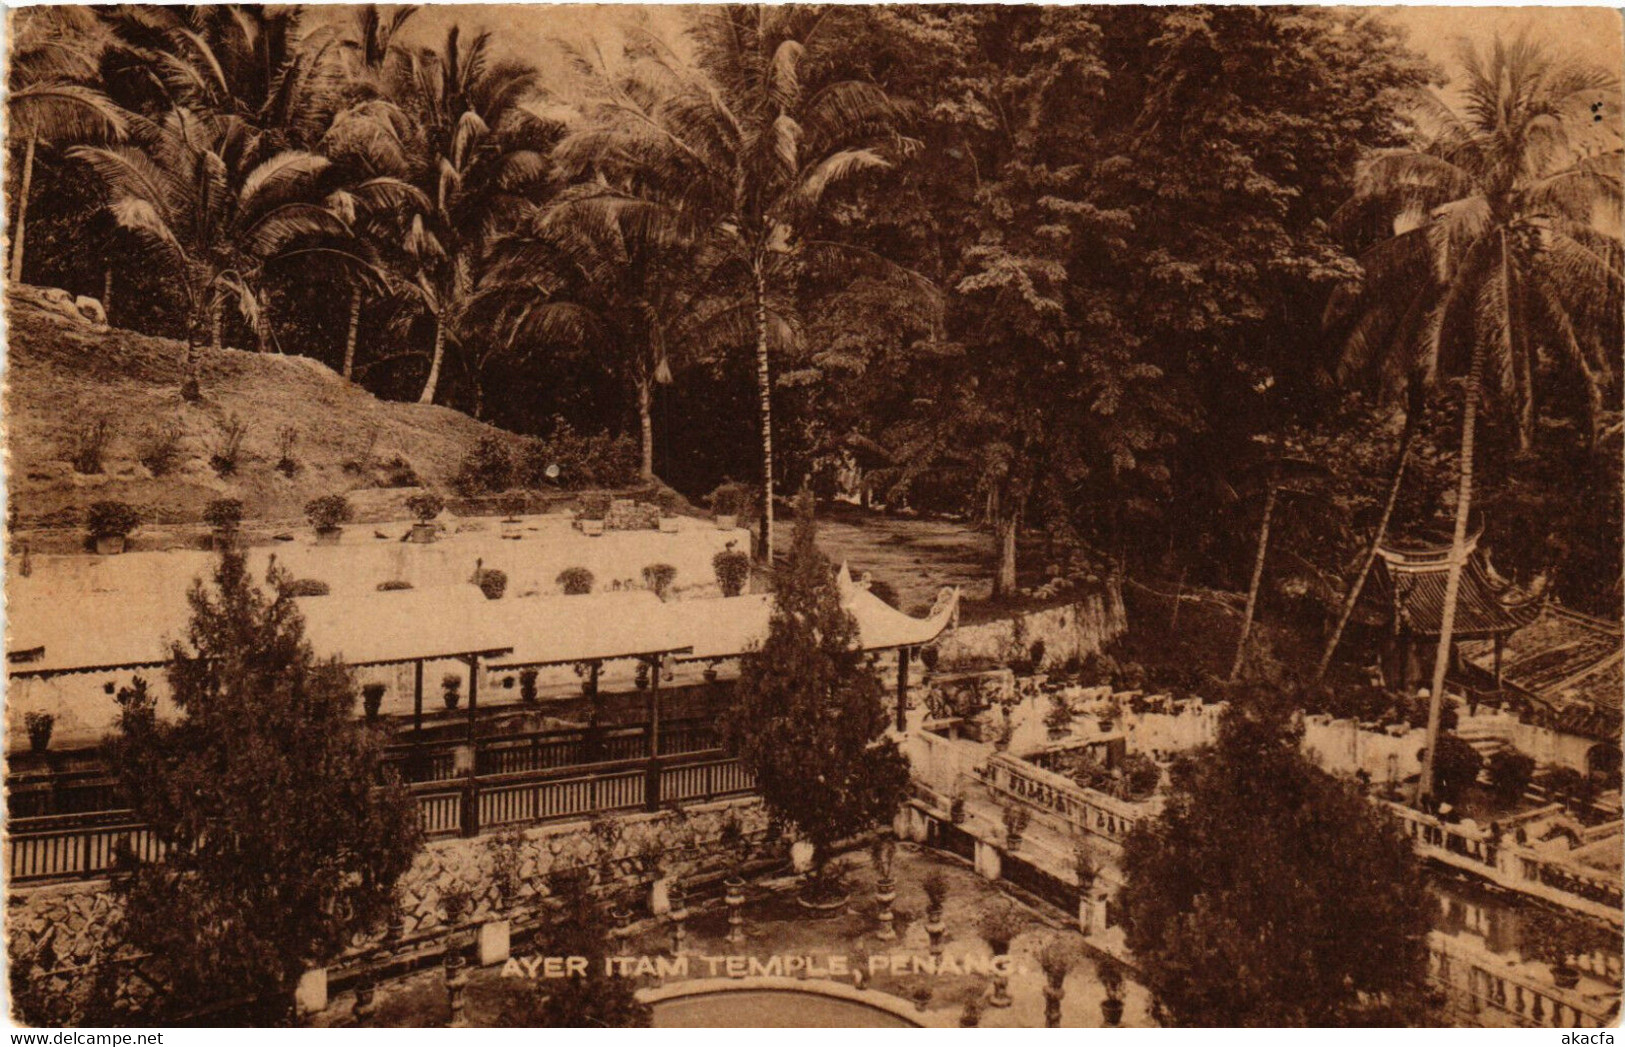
{"points": [[284, 839], [1059, 270], [1269, 893]]}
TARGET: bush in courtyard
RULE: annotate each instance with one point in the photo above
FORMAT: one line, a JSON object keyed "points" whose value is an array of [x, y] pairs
{"points": [[487, 467], [658, 577], [241, 905], [575, 581], [594, 506], [224, 514], [328, 513], [426, 506], [565, 458], [1455, 769], [393, 585], [307, 587], [513, 504], [1509, 772], [90, 444], [732, 568], [160, 448], [111, 519], [1223, 889], [731, 498], [1140, 776], [809, 713]]}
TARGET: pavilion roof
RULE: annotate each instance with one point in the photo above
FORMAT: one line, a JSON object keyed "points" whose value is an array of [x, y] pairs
{"points": [[1411, 590], [1571, 663]]}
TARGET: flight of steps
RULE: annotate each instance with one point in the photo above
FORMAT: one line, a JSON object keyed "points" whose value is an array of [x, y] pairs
{"points": [[1488, 735]]}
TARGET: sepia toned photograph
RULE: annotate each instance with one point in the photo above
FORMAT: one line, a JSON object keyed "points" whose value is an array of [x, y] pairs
{"points": [[813, 516]]}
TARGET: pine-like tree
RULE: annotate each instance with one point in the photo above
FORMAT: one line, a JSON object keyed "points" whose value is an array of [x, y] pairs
{"points": [[1270, 893], [809, 714], [266, 790]]}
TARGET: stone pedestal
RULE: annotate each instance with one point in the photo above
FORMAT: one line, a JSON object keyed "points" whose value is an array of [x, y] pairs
{"points": [[310, 995], [493, 942], [989, 863], [456, 983], [885, 895], [736, 911]]}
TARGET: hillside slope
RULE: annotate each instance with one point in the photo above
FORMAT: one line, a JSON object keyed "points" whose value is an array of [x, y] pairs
{"points": [[64, 376]]}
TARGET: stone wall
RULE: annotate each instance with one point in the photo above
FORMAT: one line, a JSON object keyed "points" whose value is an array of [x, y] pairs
{"points": [[1076, 629], [61, 931]]}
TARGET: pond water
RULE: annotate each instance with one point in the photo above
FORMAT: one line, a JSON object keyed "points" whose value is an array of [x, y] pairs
{"points": [[771, 1009]]}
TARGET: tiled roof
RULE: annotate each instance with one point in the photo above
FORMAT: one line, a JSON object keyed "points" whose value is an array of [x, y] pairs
{"points": [[1569, 663], [1486, 604]]}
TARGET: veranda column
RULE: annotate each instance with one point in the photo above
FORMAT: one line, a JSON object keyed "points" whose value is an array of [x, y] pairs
{"points": [[471, 786], [651, 784], [902, 689]]}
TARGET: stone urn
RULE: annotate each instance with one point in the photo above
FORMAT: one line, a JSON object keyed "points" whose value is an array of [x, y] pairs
{"points": [[1111, 1009], [1052, 1006], [735, 899], [885, 895]]}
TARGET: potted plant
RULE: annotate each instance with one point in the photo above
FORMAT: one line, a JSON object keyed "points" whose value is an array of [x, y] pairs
{"points": [[225, 517], [328, 515], [594, 511], [999, 926], [575, 581], [110, 523], [451, 686], [936, 894], [1110, 709], [956, 809], [668, 502], [39, 726], [1056, 960], [971, 1016], [728, 503], [1110, 975], [1016, 817], [922, 997], [425, 506], [527, 686], [372, 699], [1059, 718], [658, 577], [732, 567], [882, 856], [1554, 939]]}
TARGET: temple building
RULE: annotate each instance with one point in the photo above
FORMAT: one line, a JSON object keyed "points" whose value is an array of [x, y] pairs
{"points": [[1402, 609]]}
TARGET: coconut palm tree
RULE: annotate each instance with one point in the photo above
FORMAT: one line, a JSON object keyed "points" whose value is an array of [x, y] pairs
{"points": [[50, 100], [207, 196], [744, 146], [1505, 263], [479, 152]]}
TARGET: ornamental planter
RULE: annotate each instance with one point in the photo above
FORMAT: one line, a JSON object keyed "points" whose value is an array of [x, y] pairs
{"points": [[456, 983], [1565, 977], [423, 533], [623, 920], [110, 546], [935, 928], [885, 894], [668, 525], [1111, 1010], [592, 528], [736, 909]]}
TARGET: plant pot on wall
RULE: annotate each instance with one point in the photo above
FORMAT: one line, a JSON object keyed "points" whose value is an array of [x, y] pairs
{"points": [[330, 536], [110, 546], [1564, 976], [668, 525], [424, 533], [592, 528]]}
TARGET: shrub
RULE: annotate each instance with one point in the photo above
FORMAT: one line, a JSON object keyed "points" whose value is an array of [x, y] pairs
{"points": [[565, 458], [286, 437], [575, 581], [394, 585], [451, 688], [307, 587], [398, 472], [513, 504], [329, 512], [224, 514], [935, 886], [372, 699], [659, 576], [39, 727], [160, 448], [89, 444], [1455, 769], [1510, 772], [1083, 865], [1141, 776], [1016, 819], [229, 449], [670, 502], [999, 926], [595, 506], [1057, 959], [486, 468], [732, 569], [493, 582], [426, 506], [527, 685], [111, 519]]}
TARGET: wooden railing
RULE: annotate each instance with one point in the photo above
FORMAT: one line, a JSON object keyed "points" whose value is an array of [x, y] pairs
{"points": [[57, 846]]}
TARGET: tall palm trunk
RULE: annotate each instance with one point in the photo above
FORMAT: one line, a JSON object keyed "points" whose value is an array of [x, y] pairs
{"points": [[434, 362], [1258, 578], [1006, 526], [646, 429], [1458, 548], [764, 389], [215, 309], [107, 293], [22, 213], [349, 338], [1346, 611]]}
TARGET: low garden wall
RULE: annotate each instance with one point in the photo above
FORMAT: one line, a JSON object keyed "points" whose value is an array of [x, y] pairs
{"points": [[61, 931], [1077, 629]]}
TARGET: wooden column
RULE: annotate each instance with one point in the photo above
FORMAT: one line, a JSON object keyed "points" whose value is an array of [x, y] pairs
{"points": [[902, 689], [651, 788], [471, 785], [1500, 642], [417, 701]]}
